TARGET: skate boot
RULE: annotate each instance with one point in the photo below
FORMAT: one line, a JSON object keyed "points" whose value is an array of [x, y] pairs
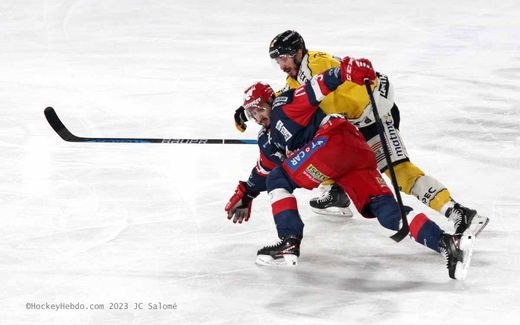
{"points": [[333, 201], [465, 218], [285, 253], [457, 249]]}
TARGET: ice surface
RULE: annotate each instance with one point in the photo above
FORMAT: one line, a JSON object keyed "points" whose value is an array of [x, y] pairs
{"points": [[142, 223]]}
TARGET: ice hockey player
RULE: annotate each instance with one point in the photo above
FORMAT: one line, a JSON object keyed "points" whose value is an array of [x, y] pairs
{"points": [[300, 147], [351, 100]]}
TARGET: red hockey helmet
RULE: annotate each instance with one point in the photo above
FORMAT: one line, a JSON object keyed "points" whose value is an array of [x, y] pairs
{"points": [[255, 95]]}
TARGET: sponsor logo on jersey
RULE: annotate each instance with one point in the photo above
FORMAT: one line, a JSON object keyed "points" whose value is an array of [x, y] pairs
{"points": [[283, 130], [304, 74], [429, 195], [384, 85], [280, 100], [299, 157], [314, 174], [302, 78], [394, 140]]}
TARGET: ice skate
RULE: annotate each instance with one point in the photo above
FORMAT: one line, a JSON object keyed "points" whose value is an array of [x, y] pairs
{"points": [[285, 253], [333, 201], [465, 218], [457, 249]]}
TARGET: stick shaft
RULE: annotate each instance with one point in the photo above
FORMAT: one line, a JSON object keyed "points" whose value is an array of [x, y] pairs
{"points": [[65, 134]]}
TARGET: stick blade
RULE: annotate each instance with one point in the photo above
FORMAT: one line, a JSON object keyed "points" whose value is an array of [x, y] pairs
{"points": [[401, 233], [58, 126]]}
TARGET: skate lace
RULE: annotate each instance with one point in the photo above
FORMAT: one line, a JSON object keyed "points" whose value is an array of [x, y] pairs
{"points": [[325, 197], [456, 216], [452, 246], [274, 245], [444, 251]]}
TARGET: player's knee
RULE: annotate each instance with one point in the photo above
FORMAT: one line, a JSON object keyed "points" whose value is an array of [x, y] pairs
{"points": [[407, 174], [386, 210], [278, 178]]}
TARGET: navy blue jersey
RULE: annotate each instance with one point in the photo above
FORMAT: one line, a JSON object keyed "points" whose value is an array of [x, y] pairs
{"points": [[270, 157], [289, 134]]}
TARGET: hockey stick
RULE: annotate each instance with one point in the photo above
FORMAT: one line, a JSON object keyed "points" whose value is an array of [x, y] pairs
{"points": [[65, 134], [405, 229]]}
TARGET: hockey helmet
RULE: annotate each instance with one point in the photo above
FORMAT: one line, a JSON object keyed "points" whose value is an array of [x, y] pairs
{"points": [[286, 43], [255, 95]]}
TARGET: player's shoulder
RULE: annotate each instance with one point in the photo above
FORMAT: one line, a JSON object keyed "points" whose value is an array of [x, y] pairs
{"points": [[283, 98], [321, 56], [321, 61]]}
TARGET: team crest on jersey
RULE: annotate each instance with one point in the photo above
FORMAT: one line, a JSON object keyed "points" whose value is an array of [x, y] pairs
{"points": [[299, 157]]}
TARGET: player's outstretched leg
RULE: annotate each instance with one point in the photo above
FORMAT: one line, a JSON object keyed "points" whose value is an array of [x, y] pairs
{"points": [[289, 226], [456, 248], [435, 195]]}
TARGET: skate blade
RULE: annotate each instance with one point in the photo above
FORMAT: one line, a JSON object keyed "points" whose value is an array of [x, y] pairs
{"points": [[467, 242], [334, 211], [287, 260], [478, 224]]}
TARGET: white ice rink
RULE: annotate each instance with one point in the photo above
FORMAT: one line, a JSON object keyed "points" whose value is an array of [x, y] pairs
{"points": [[87, 224]]}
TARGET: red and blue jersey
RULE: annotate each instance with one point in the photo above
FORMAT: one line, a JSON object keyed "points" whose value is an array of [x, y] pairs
{"points": [[295, 119], [296, 116]]}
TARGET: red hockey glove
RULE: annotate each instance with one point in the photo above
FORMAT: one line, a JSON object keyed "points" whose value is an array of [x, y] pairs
{"points": [[240, 119], [356, 70], [239, 205]]}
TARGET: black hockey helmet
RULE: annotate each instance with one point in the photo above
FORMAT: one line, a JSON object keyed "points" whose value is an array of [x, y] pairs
{"points": [[288, 42]]}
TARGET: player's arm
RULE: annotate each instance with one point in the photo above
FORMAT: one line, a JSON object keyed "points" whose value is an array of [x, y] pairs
{"points": [[239, 205], [306, 98]]}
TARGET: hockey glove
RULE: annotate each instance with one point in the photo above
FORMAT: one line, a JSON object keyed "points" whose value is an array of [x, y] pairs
{"points": [[239, 205], [240, 119], [356, 70]]}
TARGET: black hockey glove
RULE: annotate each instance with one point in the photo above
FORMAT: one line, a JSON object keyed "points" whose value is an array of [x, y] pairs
{"points": [[240, 119]]}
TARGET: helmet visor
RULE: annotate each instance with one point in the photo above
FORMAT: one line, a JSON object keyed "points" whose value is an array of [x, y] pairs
{"points": [[283, 59], [254, 110]]}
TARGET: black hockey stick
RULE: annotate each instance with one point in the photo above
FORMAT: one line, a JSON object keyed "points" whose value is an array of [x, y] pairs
{"points": [[66, 135], [405, 229]]}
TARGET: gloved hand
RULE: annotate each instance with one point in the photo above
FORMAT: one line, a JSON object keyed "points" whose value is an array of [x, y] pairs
{"points": [[356, 70], [239, 205], [240, 119]]}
